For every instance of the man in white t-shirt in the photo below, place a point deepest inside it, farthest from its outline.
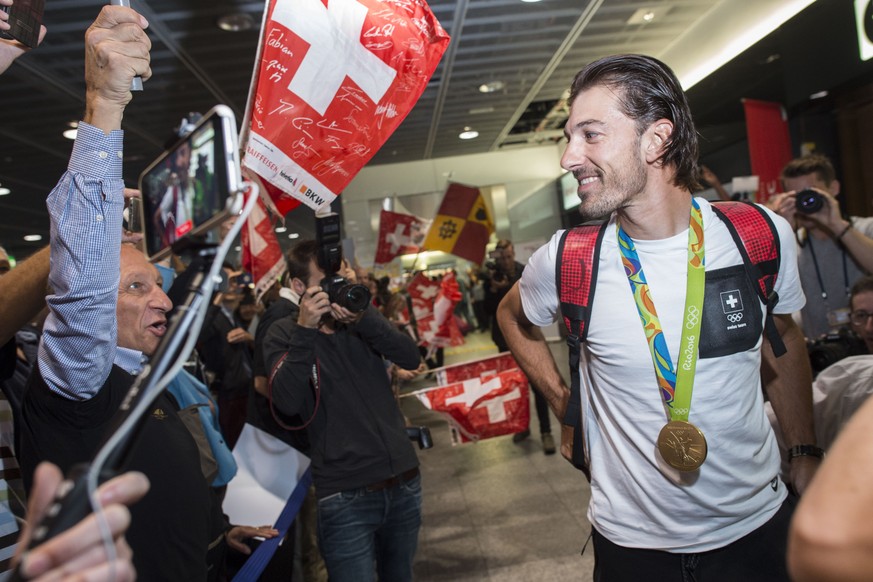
(632, 147)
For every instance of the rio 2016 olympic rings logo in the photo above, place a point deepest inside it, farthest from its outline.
(735, 317)
(692, 317)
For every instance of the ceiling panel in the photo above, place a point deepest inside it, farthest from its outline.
(534, 49)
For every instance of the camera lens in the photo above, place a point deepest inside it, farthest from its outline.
(355, 298)
(809, 201)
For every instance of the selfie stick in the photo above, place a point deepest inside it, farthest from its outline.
(136, 83)
(76, 497)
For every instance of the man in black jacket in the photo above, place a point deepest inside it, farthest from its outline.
(329, 367)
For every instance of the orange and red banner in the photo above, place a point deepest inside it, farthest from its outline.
(463, 224)
(769, 145)
(399, 234)
(335, 78)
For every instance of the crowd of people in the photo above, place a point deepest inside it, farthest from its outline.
(681, 487)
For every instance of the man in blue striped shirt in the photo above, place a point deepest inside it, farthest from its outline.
(107, 315)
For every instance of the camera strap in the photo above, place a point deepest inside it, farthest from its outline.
(315, 386)
(821, 286)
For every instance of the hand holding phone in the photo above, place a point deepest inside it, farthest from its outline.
(25, 21)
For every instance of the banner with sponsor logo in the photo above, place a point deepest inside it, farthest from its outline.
(399, 234)
(463, 224)
(334, 79)
(481, 402)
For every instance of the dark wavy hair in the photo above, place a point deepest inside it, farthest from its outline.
(816, 164)
(648, 91)
(298, 258)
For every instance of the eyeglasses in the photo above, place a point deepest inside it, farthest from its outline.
(860, 317)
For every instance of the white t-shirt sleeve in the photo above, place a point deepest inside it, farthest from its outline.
(539, 295)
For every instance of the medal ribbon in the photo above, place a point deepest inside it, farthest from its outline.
(676, 384)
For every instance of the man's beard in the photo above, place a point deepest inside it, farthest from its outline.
(600, 205)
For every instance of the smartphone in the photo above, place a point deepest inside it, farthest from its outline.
(25, 18)
(193, 186)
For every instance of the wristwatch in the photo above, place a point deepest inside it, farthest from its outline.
(805, 451)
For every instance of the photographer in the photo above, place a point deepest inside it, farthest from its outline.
(501, 277)
(833, 251)
(327, 366)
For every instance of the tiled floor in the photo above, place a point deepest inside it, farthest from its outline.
(498, 510)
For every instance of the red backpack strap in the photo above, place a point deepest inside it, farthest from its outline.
(757, 239)
(579, 251)
(575, 276)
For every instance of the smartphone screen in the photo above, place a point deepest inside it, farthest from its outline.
(25, 18)
(190, 187)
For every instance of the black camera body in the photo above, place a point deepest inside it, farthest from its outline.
(809, 201)
(833, 347)
(352, 296)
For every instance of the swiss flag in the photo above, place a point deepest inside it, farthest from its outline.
(399, 234)
(433, 303)
(333, 80)
(477, 369)
(261, 254)
(481, 408)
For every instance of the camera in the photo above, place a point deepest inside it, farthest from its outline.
(352, 296)
(833, 347)
(420, 435)
(809, 201)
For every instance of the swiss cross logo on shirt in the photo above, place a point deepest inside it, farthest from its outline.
(731, 301)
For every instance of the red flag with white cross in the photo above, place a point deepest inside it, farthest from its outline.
(334, 79)
(483, 407)
(399, 234)
(261, 256)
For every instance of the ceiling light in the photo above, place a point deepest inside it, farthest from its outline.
(480, 110)
(4, 191)
(491, 86)
(468, 133)
(756, 29)
(236, 22)
(294, 235)
(530, 1)
(237, 248)
(648, 14)
(71, 133)
(819, 95)
(281, 229)
(32, 237)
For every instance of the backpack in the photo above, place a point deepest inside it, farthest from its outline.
(576, 274)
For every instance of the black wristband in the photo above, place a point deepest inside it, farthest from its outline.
(845, 230)
(805, 451)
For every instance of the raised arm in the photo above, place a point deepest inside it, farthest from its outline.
(23, 290)
(85, 209)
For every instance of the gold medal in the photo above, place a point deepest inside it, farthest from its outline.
(682, 445)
